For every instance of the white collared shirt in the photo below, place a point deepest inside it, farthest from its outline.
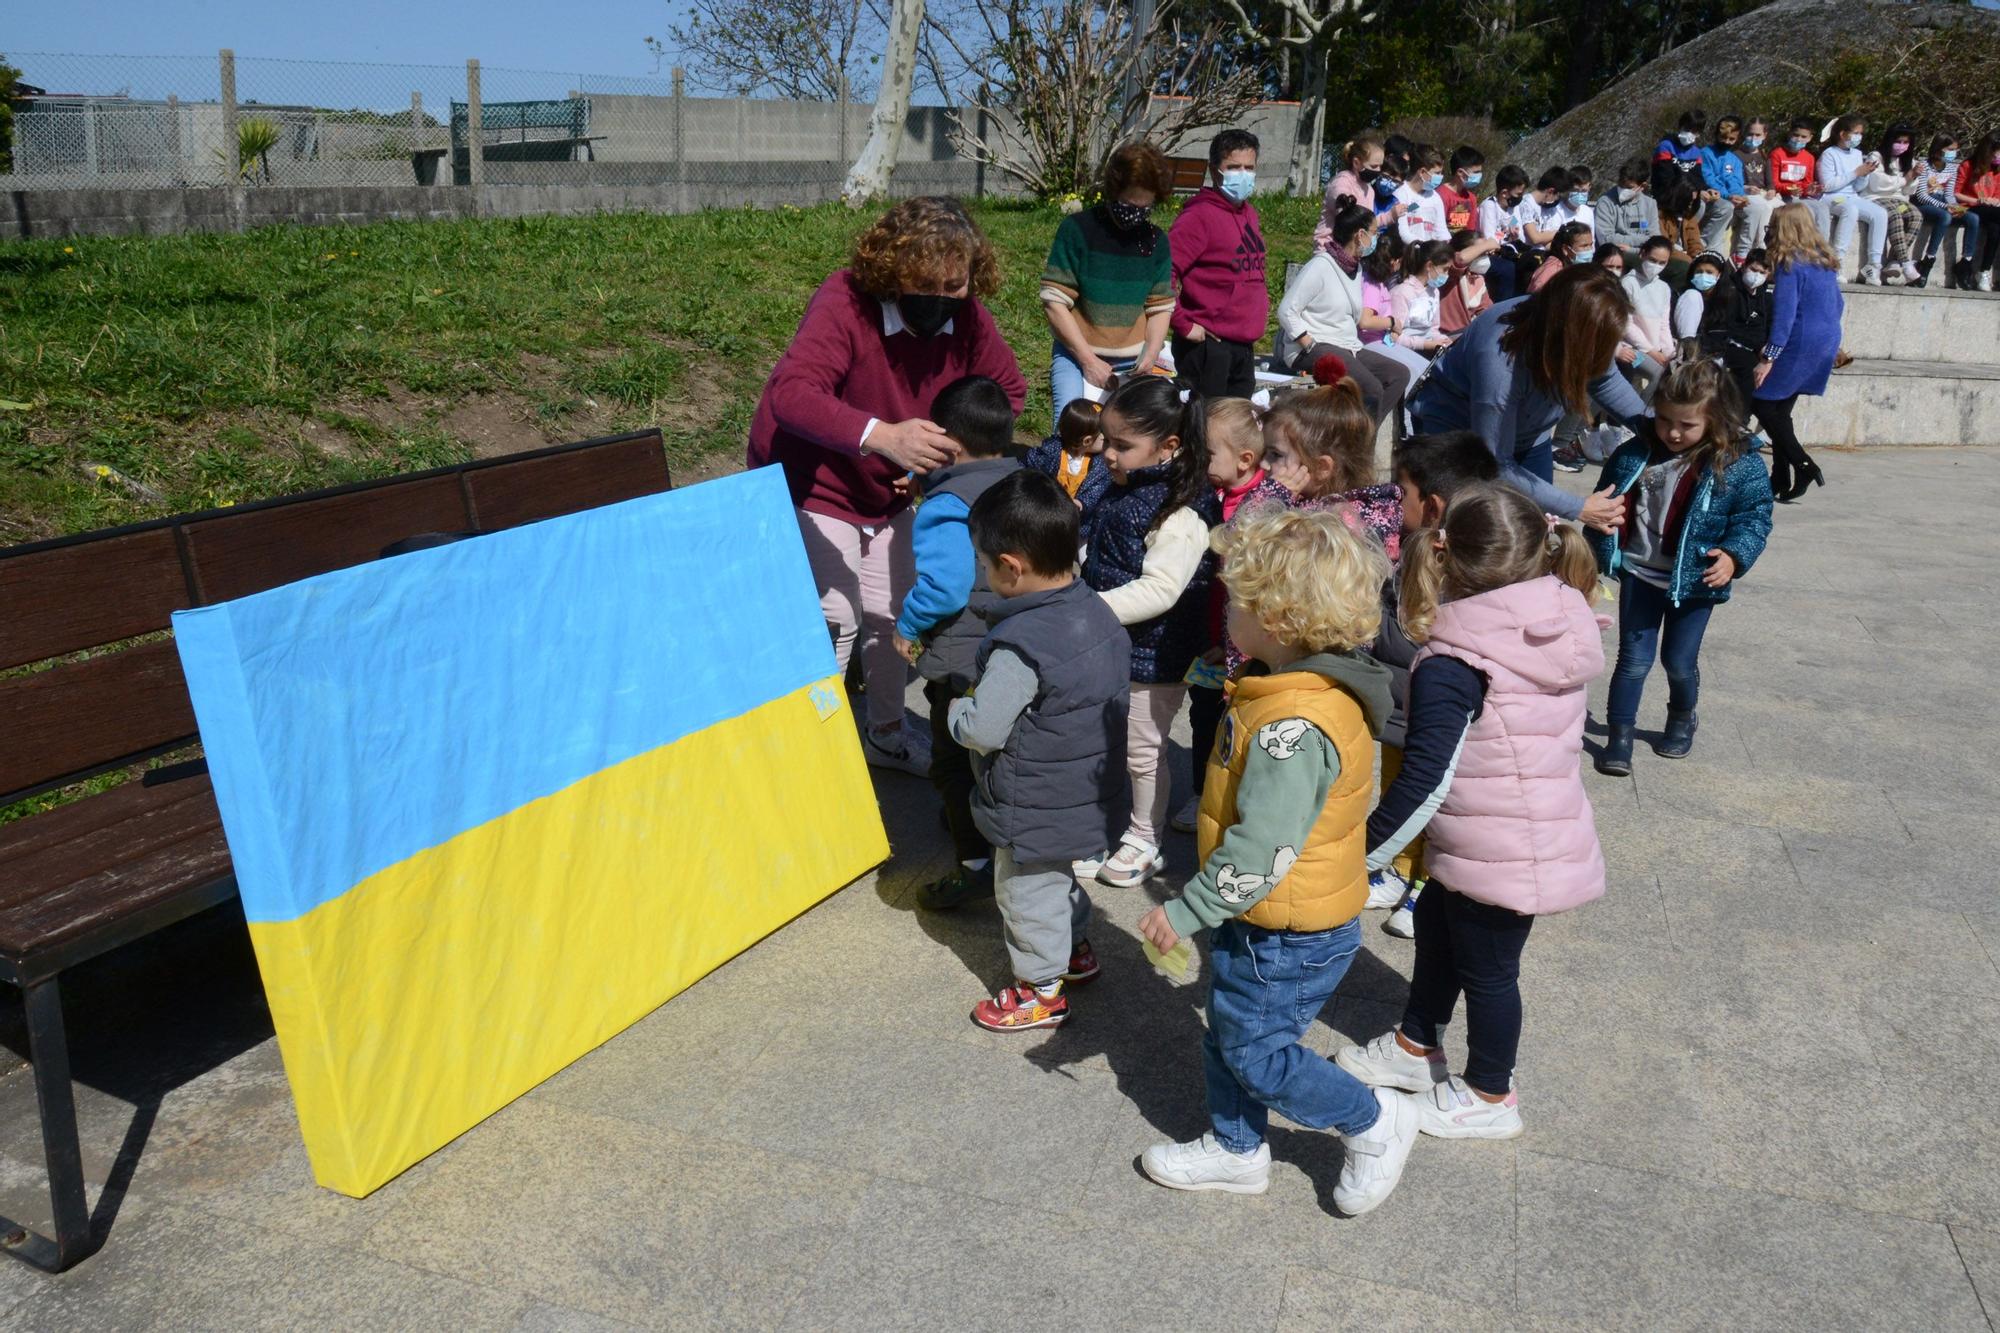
(892, 324)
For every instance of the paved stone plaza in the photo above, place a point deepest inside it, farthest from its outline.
(1761, 1077)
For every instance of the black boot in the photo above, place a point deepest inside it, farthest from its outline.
(1678, 738)
(1615, 759)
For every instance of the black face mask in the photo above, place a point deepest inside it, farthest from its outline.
(1128, 217)
(926, 315)
(1368, 175)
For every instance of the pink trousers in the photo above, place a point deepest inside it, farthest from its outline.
(1146, 728)
(862, 575)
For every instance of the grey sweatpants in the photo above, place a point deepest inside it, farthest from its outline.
(1044, 911)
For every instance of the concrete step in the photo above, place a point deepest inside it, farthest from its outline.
(1908, 402)
(1923, 324)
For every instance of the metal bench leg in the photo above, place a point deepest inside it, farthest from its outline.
(48, 1049)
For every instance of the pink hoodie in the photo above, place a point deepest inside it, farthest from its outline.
(1516, 829)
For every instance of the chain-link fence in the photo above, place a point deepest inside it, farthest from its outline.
(85, 122)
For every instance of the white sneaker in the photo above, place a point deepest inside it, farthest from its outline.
(1386, 888)
(1986, 281)
(1186, 818)
(1375, 1159)
(1132, 865)
(1911, 273)
(902, 749)
(1086, 869)
(1384, 1063)
(1451, 1110)
(1870, 276)
(1207, 1165)
(1402, 923)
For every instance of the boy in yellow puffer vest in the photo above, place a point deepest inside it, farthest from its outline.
(1283, 834)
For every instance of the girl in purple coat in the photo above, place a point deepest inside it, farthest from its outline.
(1806, 307)
(1498, 594)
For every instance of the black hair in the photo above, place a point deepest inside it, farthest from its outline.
(1463, 239)
(1719, 262)
(1847, 124)
(1759, 256)
(1026, 514)
(1077, 422)
(1424, 155)
(1445, 463)
(1153, 406)
(1465, 155)
(1680, 201)
(1420, 255)
(1565, 238)
(1694, 119)
(1511, 177)
(1227, 142)
(1396, 151)
(1800, 124)
(1381, 265)
(974, 411)
(1902, 129)
(1580, 174)
(1940, 142)
(1652, 243)
(1635, 171)
(1348, 218)
(1605, 251)
(1555, 178)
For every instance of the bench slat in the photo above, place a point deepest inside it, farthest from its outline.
(67, 598)
(238, 554)
(84, 715)
(511, 494)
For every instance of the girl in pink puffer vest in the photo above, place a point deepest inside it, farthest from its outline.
(1499, 596)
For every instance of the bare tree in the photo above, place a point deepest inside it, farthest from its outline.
(791, 48)
(868, 178)
(1312, 27)
(1051, 85)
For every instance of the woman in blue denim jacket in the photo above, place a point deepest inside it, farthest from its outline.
(1697, 516)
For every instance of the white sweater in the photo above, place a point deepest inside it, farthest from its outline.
(1173, 553)
(1652, 306)
(1688, 310)
(1322, 302)
(1423, 215)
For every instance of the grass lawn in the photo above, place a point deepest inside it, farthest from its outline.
(143, 376)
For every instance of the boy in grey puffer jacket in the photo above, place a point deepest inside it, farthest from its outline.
(1046, 727)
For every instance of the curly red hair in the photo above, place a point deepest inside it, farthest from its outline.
(924, 244)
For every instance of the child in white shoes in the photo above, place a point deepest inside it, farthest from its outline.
(1283, 876)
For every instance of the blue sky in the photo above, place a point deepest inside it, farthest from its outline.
(600, 37)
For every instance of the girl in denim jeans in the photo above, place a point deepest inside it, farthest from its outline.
(1699, 517)
(1283, 876)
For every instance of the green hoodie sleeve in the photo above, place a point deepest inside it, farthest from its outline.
(1290, 767)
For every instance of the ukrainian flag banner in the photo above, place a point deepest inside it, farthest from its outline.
(491, 803)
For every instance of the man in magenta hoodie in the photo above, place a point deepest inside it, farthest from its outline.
(1218, 267)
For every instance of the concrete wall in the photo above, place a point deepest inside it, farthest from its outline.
(1884, 324)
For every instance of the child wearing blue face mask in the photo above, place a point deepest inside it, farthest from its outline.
(1424, 216)
(1415, 306)
(1934, 190)
(1691, 306)
(1576, 206)
(1461, 192)
(1217, 265)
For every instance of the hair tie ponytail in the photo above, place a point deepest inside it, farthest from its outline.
(1329, 370)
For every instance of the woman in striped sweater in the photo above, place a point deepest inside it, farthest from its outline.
(1108, 288)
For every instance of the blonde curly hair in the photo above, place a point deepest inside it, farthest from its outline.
(1310, 580)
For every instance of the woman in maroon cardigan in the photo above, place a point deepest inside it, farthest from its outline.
(845, 414)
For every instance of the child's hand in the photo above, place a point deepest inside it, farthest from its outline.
(1627, 354)
(1158, 931)
(1721, 569)
(902, 484)
(910, 651)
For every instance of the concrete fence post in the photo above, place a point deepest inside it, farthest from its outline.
(416, 116)
(680, 140)
(475, 147)
(174, 139)
(842, 158)
(231, 163)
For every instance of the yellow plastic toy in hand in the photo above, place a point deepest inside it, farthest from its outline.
(1180, 964)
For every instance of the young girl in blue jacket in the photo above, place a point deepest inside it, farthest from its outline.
(1697, 515)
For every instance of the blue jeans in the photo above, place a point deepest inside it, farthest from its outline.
(1265, 989)
(1066, 378)
(1648, 623)
(1937, 221)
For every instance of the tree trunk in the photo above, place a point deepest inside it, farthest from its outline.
(1586, 39)
(1303, 178)
(868, 179)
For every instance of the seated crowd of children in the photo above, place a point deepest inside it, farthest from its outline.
(1167, 549)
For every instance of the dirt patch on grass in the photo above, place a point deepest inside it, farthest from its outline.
(491, 424)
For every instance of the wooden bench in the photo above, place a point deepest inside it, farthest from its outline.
(90, 684)
(1190, 173)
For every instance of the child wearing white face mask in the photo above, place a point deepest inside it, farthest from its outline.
(1843, 171)
(1627, 215)
(1465, 296)
(1651, 330)
(1423, 207)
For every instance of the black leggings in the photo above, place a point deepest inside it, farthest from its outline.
(1989, 236)
(951, 774)
(1383, 379)
(1472, 948)
(1788, 456)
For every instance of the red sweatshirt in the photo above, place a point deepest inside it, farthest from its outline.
(1792, 173)
(839, 371)
(1218, 268)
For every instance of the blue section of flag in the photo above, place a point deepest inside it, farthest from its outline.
(305, 693)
